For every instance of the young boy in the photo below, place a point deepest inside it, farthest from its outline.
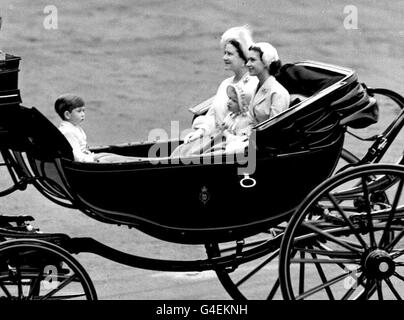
(71, 109)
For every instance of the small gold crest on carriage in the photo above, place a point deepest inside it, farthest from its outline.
(204, 196)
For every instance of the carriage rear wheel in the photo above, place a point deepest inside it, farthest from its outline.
(38, 270)
(343, 242)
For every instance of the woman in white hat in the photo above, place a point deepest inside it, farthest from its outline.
(235, 42)
(270, 97)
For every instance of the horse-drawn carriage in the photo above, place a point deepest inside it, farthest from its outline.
(274, 204)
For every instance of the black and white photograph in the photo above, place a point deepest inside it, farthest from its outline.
(201, 151)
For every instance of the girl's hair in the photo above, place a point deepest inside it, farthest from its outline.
(274, 66)
(67, 102)
(240, 52)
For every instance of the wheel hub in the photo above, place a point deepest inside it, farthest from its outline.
(379, 265)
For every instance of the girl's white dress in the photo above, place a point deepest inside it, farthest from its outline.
(231, 136)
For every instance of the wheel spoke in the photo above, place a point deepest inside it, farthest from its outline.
(325, 261)
(379, 289)
(19, 283)
(258, 268)
(67, 296)
(399, 276)
(5, 290)
(301, 273)
(397, 253)
(368, 213)
(35, 286)
(330, 253)
(322, 286)
(348, 221)
(369, 289)
(60, 287)
(392, 213)
(274, 290)
(331, 238)
(355, 246)
(323, 277)
(396, 294)
(394, 241)
(341, 265)
(353, 288)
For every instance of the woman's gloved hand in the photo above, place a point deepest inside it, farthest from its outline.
(194, 135)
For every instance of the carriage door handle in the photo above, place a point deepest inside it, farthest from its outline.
(247, 181)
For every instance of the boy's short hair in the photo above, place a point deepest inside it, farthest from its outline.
(67, 102)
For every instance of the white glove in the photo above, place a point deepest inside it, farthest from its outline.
(193, 135)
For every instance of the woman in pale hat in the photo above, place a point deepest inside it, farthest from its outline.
(235, 42)
(270, 97)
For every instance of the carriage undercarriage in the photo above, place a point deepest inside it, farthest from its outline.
(341, 238)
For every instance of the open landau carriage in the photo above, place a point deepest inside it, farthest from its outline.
(277, 221)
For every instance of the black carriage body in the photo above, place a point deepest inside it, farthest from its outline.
(9, 68)
(202, 201)
(193, 203)
(9, 93)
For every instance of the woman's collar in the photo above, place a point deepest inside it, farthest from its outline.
(267, 85)
(68, 123)
(244, 78)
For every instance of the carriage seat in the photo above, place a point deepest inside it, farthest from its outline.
(303, 81)
(35, 133)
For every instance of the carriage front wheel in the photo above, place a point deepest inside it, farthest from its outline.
(345, 241)
(38, 270)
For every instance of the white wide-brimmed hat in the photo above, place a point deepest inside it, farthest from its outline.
(269, 53)
(242, 35)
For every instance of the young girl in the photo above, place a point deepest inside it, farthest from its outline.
(238, 123)
(231, 135)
